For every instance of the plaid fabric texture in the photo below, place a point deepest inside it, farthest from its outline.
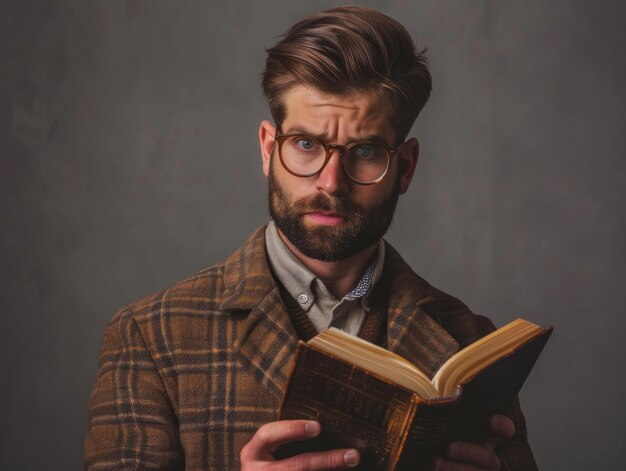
(189, 374)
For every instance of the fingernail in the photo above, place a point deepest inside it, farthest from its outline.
(496, 421)
(453, 450)
(351, 458)
(312, 428)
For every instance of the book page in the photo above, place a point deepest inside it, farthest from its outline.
(464, 365)
(373, 358)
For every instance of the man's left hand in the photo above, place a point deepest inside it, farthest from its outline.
(462, 456)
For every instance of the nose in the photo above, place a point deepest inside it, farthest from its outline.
(332, 179)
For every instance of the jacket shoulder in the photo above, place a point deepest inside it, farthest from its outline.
(458, 319)
(448, 311)
(202, 292)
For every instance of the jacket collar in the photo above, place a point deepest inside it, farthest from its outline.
(411, 332)
(247, 276)
(267, 340)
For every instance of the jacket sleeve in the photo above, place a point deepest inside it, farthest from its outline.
(466, 327)
(132, 424)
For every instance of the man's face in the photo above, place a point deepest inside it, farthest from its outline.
(327, 216)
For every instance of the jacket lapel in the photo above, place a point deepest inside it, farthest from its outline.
(267, 343)
(266, 340)
(411, 332)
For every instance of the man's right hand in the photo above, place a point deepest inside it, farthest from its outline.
(258, 452)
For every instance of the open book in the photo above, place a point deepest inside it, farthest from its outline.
(371, 399)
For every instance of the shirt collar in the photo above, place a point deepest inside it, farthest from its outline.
(298, 280)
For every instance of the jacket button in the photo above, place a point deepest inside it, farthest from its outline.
(303, 298)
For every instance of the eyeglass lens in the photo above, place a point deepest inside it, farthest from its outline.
(305, 156)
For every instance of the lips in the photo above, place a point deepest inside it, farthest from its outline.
(334, 214)
(329, 218)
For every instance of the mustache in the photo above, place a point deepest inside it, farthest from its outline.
(321, 203)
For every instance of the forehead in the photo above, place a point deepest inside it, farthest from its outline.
(349, 116)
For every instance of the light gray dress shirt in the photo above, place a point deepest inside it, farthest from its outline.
(322, 308)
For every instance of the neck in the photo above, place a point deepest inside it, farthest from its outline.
(339, 277)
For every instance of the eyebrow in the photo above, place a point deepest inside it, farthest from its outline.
(369, 138)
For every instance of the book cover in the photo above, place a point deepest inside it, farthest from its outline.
(392, 427)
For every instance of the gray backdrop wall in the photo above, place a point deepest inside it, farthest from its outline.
(129, 160)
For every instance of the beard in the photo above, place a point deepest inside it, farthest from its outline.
(362, 228)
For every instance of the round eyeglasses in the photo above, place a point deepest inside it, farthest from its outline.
(365, 163)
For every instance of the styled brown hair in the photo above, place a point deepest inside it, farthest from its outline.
(345, 50)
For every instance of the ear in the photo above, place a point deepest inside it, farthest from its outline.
(407, 160)
(267, 140)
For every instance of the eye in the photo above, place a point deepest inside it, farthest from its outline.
(365, 152)
(305, 144)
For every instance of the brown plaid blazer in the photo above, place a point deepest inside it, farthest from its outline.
(189, 374)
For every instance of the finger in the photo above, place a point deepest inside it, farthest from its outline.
(335, 459)
(470, 453)
(270, 436)
(503, 429)
(502, 425)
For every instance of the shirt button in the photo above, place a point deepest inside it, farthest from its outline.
(303, 298)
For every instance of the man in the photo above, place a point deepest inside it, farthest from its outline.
(191, 377)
